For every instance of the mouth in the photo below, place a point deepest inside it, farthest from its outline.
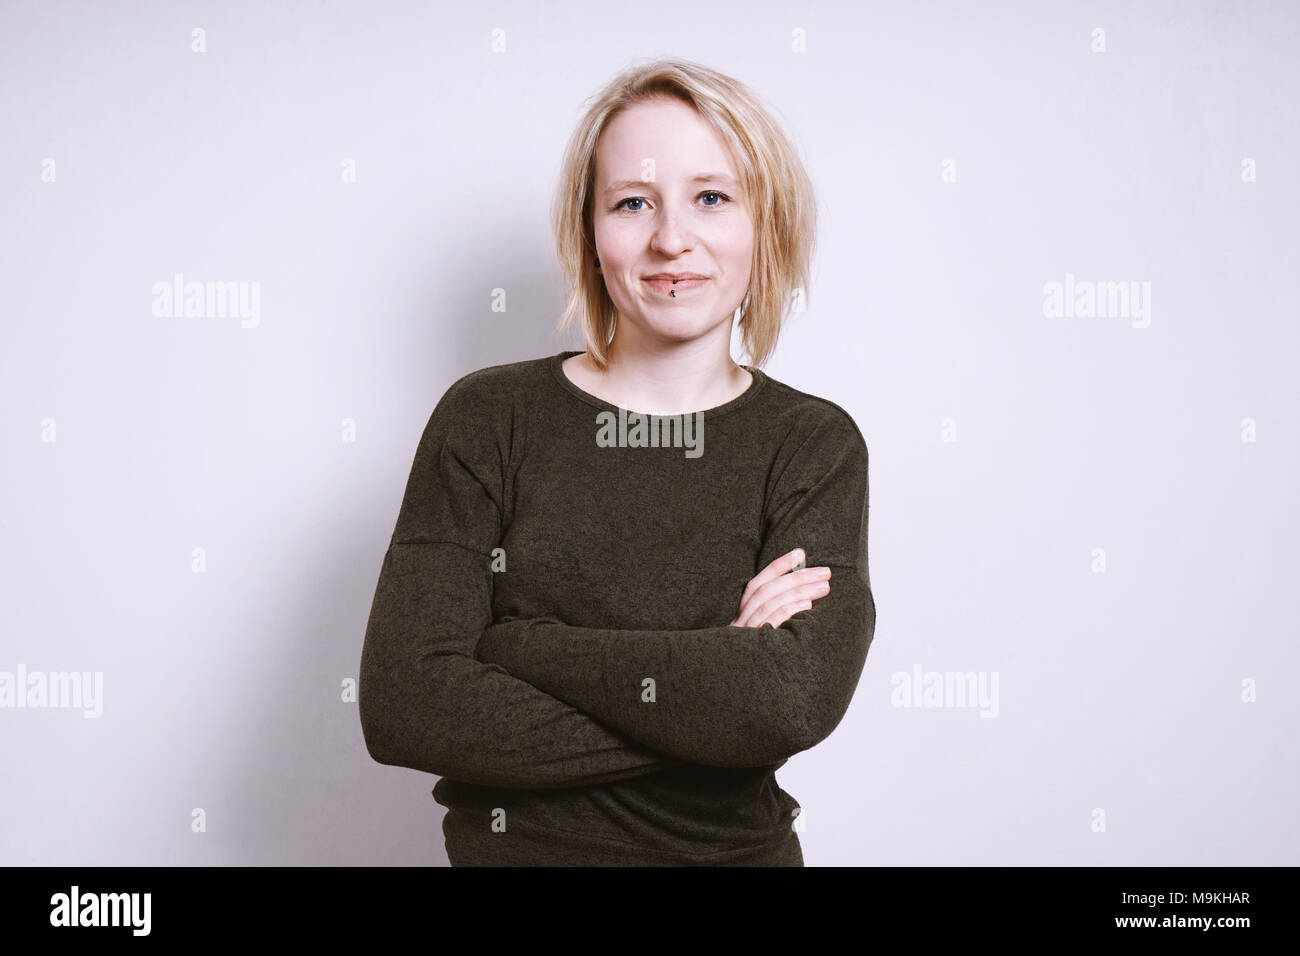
(666, 284)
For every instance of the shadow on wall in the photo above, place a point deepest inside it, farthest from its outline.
(308, 792)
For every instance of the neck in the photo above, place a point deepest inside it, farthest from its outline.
(673, 379)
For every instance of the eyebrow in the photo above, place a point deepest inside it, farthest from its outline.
(702, 178)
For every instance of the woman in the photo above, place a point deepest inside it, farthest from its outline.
(596, 626)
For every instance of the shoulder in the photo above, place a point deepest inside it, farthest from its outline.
(490, 387)
(480, 410)
(811, 417)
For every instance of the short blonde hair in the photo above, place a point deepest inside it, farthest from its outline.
(777, 188)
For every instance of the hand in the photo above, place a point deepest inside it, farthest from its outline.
(781, 590)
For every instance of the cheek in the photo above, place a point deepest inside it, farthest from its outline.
(617, 250)
(738, 249)
(739, 263)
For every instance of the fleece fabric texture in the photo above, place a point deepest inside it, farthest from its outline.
(550, 633)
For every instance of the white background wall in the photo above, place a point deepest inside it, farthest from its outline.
(1006, 444)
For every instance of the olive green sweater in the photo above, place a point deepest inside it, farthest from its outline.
(550, 633)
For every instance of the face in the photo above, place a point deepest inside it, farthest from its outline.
(691, 217)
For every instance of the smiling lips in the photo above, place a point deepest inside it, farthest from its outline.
(676, 282)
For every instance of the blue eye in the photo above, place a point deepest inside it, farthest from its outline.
(722, 197)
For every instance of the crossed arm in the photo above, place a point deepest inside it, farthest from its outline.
(730, 696)
(537, 703)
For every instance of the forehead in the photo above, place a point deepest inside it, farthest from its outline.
(664, 136)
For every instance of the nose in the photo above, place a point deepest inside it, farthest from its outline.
(671, 235)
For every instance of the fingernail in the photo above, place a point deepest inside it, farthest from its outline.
(801, 560)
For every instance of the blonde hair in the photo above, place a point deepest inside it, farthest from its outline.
(777, 187)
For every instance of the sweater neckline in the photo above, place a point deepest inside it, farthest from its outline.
(556, 365)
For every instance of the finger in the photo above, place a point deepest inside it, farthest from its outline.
(808, 592)
(785, 612)
(787, 562)
(808, 584)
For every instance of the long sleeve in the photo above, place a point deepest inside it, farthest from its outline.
(425, 701)
(732, 696)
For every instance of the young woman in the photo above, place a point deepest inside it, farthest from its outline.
(627, 584)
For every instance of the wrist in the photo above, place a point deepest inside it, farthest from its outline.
(494, 643)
